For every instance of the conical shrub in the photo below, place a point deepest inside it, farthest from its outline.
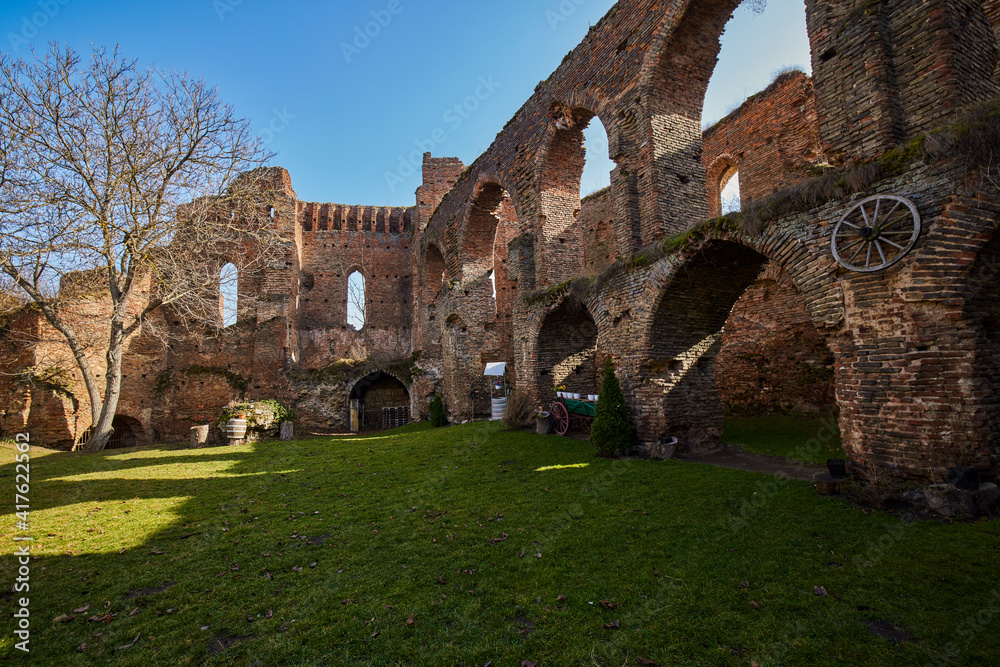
(611, 432)
(438, 417)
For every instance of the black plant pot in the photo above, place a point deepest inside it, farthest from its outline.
(837, 468)
(964, 478)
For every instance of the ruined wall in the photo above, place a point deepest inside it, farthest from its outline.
(885, 71)
(335, 241)
(597, 218)
(772, 139)
(772, 358)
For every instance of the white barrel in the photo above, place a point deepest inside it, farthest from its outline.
(498, 405)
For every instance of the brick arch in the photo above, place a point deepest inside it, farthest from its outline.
(559, 169)
(716, 176)
(382, 382)
(690, 296)
(566, 350)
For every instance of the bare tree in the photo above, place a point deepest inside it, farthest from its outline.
(132, 183)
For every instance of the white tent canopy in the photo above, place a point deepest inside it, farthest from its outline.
(495, 368)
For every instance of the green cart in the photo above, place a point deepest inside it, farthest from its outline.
(564, 410)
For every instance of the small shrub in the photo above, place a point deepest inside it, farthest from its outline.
(611, 433)
(518, 414)
(438, 417)
(873, 486)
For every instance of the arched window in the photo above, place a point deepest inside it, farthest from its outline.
(730, 193)
(228, 294)
(356, 300)
(598, 166)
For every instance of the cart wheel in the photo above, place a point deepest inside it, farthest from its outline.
(560, 418)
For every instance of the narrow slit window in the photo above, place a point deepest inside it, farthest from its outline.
(730, 194)
(228, 294)
(356, 300)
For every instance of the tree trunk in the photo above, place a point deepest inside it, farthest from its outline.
(102, 429)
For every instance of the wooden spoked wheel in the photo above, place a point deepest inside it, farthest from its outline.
(875, 233)
(560, 418)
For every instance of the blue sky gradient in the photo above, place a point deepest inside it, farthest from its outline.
(344, 112)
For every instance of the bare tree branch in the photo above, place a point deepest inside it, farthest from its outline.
(137, 181)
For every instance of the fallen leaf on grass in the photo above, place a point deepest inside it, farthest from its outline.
(528, 663)
(613, 625)
(130, 645)
(81, 609)
(269, 614)
(538, 554)
(497, 540)
(82, 647)
(608, 605)
(441, 580)
(644, 661)
(410, 621)
(561, 598)
(375, 634)
(63, 618)
(156, 552)
(754, 604)
(819, 590)
(745, 584)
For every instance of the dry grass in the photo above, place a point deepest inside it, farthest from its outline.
(518, 414)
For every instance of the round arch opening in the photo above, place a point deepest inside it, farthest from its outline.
(381, 401)
(567, 351)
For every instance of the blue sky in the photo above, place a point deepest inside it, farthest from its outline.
(344, 112)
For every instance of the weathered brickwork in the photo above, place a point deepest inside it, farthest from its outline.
(772, 358)
(772, 139)
(697, 321)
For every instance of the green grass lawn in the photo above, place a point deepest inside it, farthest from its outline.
(804, 438)
(469, 544)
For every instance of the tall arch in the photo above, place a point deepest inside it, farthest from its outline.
(567, 350)
(560, 236)
(680, 67)
(686, 335)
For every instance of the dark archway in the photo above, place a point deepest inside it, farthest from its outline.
(567, 350)
(686, 336)
(983, 310)
(384, 401)
(127, 432)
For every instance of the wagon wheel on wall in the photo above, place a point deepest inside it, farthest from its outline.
(560, 418)
(875, 233)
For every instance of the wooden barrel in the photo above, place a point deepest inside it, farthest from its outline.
(236, 428)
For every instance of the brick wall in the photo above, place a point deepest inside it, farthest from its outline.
(772, 139)
(772, 358)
